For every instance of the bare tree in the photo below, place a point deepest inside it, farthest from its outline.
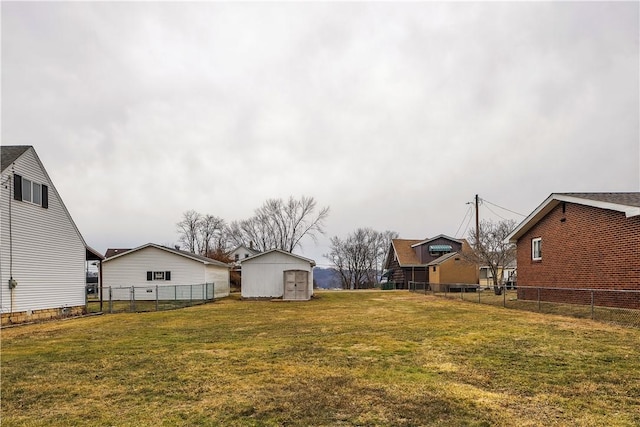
(210, 234)
(490, 248)
(357, 258)
(280, 224)
(188, 230)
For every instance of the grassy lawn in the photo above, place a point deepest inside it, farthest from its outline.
(345, 358)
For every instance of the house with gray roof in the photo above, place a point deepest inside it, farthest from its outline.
(155, 268)
(43, 256)
(581, 241)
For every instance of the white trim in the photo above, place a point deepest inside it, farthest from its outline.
(194, 257)
(312, 262)
(443, 236)
(554, 200)
(533, 249)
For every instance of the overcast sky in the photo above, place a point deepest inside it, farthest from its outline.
(393, 114)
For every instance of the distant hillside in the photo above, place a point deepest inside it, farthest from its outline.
(326, 278)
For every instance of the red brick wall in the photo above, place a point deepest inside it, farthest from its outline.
(584, 247)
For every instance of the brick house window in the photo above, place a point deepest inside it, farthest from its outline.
(536, 249)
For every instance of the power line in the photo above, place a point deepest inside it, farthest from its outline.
(467, 226)
(496, 214)
(465, 217)
(508, 210)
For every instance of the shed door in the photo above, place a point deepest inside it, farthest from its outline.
(296, 283)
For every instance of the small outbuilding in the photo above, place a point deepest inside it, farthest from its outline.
(277, 274)
(156, 265)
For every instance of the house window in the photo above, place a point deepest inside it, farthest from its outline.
(158, 275)
(237, 256)
(536, 249)
(28, 191)
(439, 250)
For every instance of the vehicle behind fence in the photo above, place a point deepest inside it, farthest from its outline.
(608, 305)
(116, 299)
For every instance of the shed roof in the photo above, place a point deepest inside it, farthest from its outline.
(185, 254)
(628, 203)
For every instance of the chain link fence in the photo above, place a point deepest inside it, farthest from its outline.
(119, 299)
(607, 305)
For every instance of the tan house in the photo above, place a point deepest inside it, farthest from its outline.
(436, 260)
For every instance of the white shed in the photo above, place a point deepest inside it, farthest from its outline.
(277, 274)
(150, 266)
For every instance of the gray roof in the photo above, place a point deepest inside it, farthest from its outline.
(175, 251)
(627, 199)
(9, 154)
(628, 203)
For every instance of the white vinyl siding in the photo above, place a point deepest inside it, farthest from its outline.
(130, 269)
(263, 275)
(48, 252)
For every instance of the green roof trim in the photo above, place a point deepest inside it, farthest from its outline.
(440, 248)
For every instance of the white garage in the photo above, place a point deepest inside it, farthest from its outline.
(277, 274)
(160, 269)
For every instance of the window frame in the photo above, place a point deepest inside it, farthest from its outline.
(163, 276)
(536, 249)
(24, 190)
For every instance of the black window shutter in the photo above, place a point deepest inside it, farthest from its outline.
(167, 275)
(149, 275)
(17, 187)
(45, 196)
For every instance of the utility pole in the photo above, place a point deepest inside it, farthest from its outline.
(477, 222)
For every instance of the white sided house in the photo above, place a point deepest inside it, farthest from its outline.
(42, 254)
(277, 274)
(159, 272)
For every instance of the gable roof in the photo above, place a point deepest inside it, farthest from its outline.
(405, 254)
(195, 257)
(251, 250)
(312, 262)
(440, 236)
(10, 153)
(443, 258)
(628, 203)
(111, 252)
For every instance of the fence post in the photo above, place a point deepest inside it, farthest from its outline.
(479, 293)
(110, 301)
(156, 297)
(191, 295)
(204, 289)
(504, 296)
(133, 299)
(592, 305)
(462, 292)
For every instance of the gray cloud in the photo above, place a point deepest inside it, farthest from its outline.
(395, 115)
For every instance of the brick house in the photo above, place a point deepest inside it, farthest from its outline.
(434, 260)
(581, 241)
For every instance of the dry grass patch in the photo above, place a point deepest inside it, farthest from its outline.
(344, 358)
